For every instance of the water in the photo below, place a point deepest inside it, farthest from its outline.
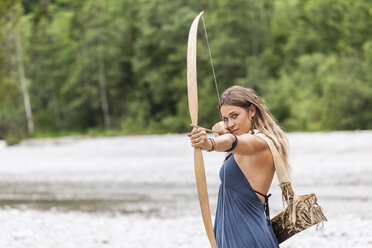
(139, 191)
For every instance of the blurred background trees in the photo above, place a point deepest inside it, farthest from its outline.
(121, 64)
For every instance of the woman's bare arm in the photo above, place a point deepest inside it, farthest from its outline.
(248, 144)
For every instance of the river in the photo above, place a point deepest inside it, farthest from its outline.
(139, 191)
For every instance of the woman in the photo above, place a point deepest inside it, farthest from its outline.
(242, 217)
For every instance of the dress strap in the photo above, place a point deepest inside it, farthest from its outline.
(266, 206)
(227, 157)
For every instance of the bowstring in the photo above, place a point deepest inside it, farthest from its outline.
(218, 95)
(211, 60)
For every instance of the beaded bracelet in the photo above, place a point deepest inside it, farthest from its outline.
(213, 145)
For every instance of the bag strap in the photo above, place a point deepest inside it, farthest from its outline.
(281, 171)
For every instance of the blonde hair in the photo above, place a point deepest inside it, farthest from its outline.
(262, 120)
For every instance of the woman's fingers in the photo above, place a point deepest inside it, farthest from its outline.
(220, 127)
(193, 131)
(198, 136)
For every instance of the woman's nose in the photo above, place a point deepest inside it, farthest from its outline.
(230, 124)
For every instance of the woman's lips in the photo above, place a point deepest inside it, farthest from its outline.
(234, 131)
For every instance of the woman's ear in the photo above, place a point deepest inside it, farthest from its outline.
(252, 111)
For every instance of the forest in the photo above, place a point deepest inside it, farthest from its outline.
(118, 67)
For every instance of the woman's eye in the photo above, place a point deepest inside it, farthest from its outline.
(225, 119)
(235, 115)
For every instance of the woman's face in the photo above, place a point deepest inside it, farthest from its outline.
(236, 119)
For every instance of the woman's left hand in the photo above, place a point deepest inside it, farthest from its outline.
(198, 138)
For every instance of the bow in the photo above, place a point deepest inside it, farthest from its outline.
(192, 91)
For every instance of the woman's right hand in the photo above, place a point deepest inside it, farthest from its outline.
(220, 127)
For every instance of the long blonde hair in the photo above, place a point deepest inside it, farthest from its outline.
(262, 120)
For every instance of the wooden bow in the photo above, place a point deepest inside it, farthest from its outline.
(192, 91)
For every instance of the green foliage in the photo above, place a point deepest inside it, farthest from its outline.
(309, 59)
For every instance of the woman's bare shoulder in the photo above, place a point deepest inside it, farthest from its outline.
(249, 144)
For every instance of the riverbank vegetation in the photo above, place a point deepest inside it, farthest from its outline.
(119, 67)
